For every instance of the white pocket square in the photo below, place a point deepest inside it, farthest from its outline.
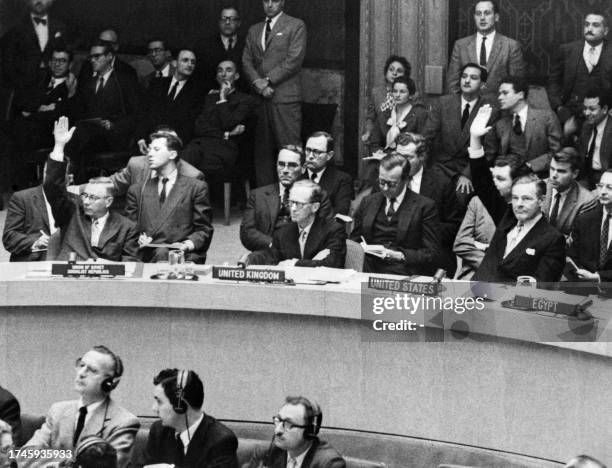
(530, 251)
(279, 34)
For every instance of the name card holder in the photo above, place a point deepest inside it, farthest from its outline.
(87, 270)
(404, 286)
(254, 275)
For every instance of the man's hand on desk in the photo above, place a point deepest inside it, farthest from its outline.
(42, 242)
(288, 263)
(323, 254)
(393, 255)
(586, 274)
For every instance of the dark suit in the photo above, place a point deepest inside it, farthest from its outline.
(541, 254)
(212, 445)
(323, 234)
(338, 186)
(119, 65)
(577, 200)
(118, 239)
(185, 215)
(212, 53)
(320, 455)
(506, 58)
(25, 218)
(417, 234)
(605, 152)
(11, 413)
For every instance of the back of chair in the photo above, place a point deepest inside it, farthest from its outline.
(354, 256)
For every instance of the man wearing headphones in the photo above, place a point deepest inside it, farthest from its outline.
(295, 443)
(185, 436)
(68, 422)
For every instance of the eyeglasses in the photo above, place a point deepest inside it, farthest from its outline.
(388, 183)
(229, 19)
(96, 56)
(297, 204)
(156, 50)
(602, 186)
(315, 152)
(287, 425)
(58, 60)
(290, 165)
(90, 197)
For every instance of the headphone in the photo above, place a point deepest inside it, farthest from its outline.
(313, 425)
(182, 380)
(89, 441)
(110, 383)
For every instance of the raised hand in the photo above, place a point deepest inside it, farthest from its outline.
(62, 133)
(479, 126)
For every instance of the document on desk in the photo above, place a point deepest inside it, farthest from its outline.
(378, 250)
(318, 275)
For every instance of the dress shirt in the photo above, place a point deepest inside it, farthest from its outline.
(171, 181)
(52, 227)
(55, 82)
(488, 44)
(90, 409)
(187, 434)
(263, 33)
(104, 79)
(513, 238)
(299, 459)
(398, 200)
(97, 225)
(415, 181)
(179, 86)
(165, 72)
(596, 163)
(523, 116)
(226, 40)
(42, 31)
(603, 219)
(317, 179)
(591, 60)
(561, 201)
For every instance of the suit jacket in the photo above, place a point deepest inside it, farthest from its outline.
(585, 242)
(118, 240)
(31, 99)
(605, 150)
(110, 421)
(11, 413)
(415, 123)
(578, 200)
(212, 445)
(323, 234)
(542, 135)
(138, 171)
(146, 80)
(562, 80)
(119, 65)
(22, 57)
(320, 455)
(506, 58)
(281, 61)
(211, 53)
(185, 215)
(25, 218)
(478, 226)
(417, 235)
(338, 186)
(259, 217)
(541, 254)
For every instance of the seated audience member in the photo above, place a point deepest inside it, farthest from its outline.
(308, 240)
(404, 222)
(433, 182)
(87, 226)
(338, 185)
(565, 198)
(533, 134)
(590, 237)
(448, 124)
(174, 101)
(595, 141)
(110, 38)
(296, 442)
(68, 423)
(268, 207)
(473, 238)
(11, 413)
(185, 435)
(531, 247)
(584, 461)
(161, 58)
(214, 149)
(170, 208)
(6, 445)
(95, 452)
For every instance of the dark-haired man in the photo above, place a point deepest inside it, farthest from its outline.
(161, 58)
(110, 38)
(185, 435)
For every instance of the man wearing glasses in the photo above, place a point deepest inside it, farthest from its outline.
(87, 227)
(161, 59)
(405, 223)
(98, 372)
(296, 443)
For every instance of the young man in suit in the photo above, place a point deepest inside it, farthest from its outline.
(161, 58)
(98, 373)
(185, 435)
(170, 208)
(110, 38)
(338, 185)
(499, 54)
(308, 240)
(272, 60)
(296, 443)
(404, 222)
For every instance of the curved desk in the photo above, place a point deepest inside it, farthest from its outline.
(253, 344)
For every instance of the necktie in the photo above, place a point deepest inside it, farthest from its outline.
(292, 463)
(465, 116)
(313, 177)
(99, 84)
(180, 450)
(591, 152)
(51, 84)
(95, 232)
(80, 424)
(517, 233)
(302, 240)
(158, 74)
(162, 194)
(172, 93)
(592, 61)
(230, 44)
(483, 52)
(268, 31)
(39, 20)
(518, 130)
(284, 209)
(603, 241)
(391, 209)
(555, 210)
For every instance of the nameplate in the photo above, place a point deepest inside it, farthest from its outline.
(248, 274)
(87, 270)
(404, 286)
(570, 307)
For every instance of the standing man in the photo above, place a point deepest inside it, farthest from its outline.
(272, 60)
(499, 54)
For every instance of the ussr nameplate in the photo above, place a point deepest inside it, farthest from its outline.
(248, 274)
(87, 270)
(403, 285)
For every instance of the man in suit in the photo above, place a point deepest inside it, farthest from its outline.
(27, 47)
(161, 58)
(308, 240)
(433, 182)
(110, 38)
(296, 443)
(579, 66)
(404, 222)
(338, 185)
(87, 226)
(272, 60)
(174, 101)
(590, 238)
(98, 373)
(499, 54)
(171, 208)
(214, 149)
(185, 435)
(595, 141)
(565, 198)
(531, 247)
(11, 413)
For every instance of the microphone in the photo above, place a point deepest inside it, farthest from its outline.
(243, 261)
(439, 276)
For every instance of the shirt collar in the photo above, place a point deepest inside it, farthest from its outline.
(400, 198)
(523, 114)
(300, 458)
(527, 225)
(106, 74)
(92, 406)
(171, 177)
(489, 37)
(43, 17)
(102, 219)
(307, 228)
(588, 46)
(471, 103)
(187, 434)
(58, 81)
(274, 19)
(319, 174)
